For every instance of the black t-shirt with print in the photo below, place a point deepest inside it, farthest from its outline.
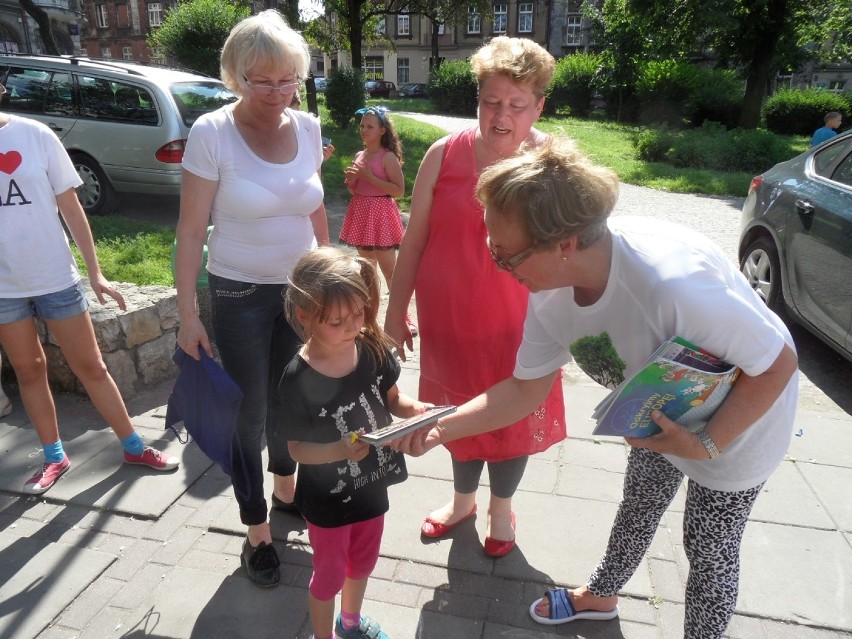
(320, 409)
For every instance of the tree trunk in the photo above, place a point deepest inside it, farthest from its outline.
(43, 22)
(760, 65)
(436, 60)
(355, 31)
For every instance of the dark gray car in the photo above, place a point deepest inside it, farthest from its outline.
(796, 240)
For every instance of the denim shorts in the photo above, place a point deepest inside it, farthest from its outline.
(69, 302)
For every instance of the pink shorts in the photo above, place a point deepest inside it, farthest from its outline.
(344, 552)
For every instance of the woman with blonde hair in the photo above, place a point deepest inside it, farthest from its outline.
(252, 167)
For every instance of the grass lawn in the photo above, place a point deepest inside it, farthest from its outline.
(134, 251)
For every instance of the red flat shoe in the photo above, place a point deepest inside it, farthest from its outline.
(497, 547)
(435, 529)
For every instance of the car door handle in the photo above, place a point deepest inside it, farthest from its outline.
(804, 207)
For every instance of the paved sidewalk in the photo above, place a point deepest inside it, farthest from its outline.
(119, 551)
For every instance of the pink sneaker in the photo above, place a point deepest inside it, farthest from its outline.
(43, 480)
(152, 458)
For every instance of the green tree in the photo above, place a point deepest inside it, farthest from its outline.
(598, 358)
(193, 32)
(759, 37)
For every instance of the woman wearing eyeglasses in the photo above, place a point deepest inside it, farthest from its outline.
(253, 169)
(470, 313)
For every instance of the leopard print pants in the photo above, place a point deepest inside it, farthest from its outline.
(713, 527)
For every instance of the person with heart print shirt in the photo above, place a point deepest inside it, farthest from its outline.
(39, 277)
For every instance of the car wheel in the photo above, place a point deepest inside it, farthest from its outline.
(96, 193)
(762, 269)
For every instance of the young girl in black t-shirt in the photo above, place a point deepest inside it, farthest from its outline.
(341, 383)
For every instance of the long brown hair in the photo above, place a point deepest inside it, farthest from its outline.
(326, 277)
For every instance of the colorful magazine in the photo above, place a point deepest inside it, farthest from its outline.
(395, 430)
(686, 383)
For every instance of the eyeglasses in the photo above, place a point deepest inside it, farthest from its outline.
(268, 89)
(509, 264)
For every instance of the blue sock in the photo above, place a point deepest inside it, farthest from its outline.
(54, 453)
(133, 444)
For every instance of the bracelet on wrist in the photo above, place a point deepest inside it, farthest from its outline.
(708, 443)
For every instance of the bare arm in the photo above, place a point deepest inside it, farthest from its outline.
(749, 399)
(311, 453)
(401, 405)
(412, 246)
(75, 218)
(196, 203)
(504, 403)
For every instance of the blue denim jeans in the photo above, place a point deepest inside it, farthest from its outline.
(255, 343)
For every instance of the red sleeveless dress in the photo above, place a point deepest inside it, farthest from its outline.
(471, 315)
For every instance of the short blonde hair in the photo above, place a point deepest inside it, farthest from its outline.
(526, 62)
(554, 191)
(260, 40)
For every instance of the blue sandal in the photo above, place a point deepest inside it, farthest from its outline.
(562, 610)
(367, 629)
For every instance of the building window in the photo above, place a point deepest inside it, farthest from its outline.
(441, 29)
(157, 54)
(402, 71)
(474, 21)
(836, 85)
(155, 14)
(122, 18)
(374, 67)
(106, 53)
(525, 17)
(501, 12)
(403, 25)
(101, 15)
(571, 37)
(127, 53)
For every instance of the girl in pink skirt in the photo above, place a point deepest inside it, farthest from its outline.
(373, 224)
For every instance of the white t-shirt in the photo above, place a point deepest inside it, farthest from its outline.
(35, 258)
(260, 216)
(666, 280)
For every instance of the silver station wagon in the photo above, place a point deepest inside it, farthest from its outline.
(123, 124)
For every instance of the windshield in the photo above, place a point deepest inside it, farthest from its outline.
(194, 99)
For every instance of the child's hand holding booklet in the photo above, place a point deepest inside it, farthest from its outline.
(396, 430)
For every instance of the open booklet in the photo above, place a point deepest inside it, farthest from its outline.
(684, 382)
(398, 429)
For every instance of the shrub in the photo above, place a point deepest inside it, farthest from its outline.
(452, 88)
(718, 98)
(195, 31)
(571, 89)
(713, 147)
(801, 111)
(622, 103)
(664, 88)
(344, 94)
(653, 145)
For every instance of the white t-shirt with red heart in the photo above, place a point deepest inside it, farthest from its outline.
(35, 258)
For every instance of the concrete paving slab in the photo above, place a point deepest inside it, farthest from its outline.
(196, 603)
(790, 484)
(832, 486)
(825, 438)
(105, 481)
(798, 574)
(38, 580)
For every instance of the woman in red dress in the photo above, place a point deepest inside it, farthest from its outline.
(470, 311)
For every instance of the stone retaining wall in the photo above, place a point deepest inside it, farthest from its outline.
(137, 344)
